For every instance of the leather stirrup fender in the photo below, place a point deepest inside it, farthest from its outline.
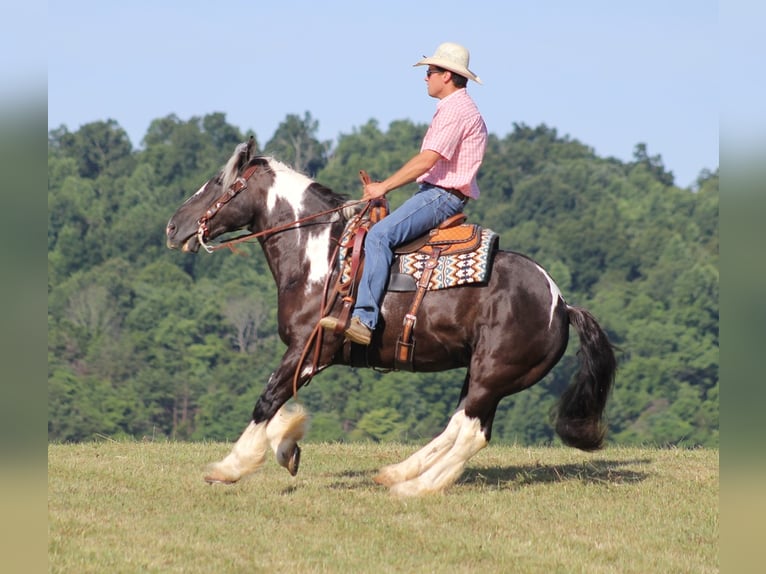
(405, 346)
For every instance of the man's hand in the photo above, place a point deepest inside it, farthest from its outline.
(374, 190)
(409, 172)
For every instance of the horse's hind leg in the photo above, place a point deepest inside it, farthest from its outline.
(423, 459)
(445, 469)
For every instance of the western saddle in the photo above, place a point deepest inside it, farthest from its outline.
(452, 237)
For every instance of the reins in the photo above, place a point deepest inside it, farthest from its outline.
(249, 236)
(315, 339)
(235, 188)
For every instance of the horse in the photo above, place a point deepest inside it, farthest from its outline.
(508, 332)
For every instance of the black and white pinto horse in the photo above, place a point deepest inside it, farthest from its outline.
(509, 332)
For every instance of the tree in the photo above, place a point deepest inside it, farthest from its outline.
(183, 152)
(652, 163)
(143, 341)
(98, 147)
(246, 314)
(295, 143)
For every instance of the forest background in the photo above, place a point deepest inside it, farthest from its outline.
(148, 342)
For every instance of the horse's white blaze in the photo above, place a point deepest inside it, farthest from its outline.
(196, 193)
(317, 256)
(555, 294)
(449, 466)
(288, 185)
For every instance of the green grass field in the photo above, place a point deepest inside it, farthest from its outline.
(143, 507)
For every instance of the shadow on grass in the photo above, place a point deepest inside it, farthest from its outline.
(353, 479)
(599, 472)
(512, 477)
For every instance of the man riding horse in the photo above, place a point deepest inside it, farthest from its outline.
(506, 331)
(445, 168)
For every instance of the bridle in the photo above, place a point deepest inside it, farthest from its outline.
(236, 188)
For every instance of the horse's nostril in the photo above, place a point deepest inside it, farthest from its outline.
(170, 229)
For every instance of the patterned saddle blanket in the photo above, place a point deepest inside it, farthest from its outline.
(466, 257)
(452, 269)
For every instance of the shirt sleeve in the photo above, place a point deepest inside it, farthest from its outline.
(443, 135)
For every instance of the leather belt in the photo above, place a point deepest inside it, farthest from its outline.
(459, 194)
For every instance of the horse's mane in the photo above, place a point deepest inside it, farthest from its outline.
(241, 158)
(230, 171)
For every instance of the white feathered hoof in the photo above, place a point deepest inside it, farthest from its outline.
(216, 475)
(388, 476)
(412, 488)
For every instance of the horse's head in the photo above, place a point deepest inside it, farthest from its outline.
(263, 196)
(202, 216)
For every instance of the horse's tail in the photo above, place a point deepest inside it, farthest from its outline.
(579, 417)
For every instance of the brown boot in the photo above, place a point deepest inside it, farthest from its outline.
(358, 332)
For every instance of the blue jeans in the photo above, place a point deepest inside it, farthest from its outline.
(420, 213)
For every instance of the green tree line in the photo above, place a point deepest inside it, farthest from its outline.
(148, 342)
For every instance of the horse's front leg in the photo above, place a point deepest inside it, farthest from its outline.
(273, 425)
(245, 457)
(284, 431)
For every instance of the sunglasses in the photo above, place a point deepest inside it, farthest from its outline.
(429, 72)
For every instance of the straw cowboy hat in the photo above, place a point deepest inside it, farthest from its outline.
(452, 57)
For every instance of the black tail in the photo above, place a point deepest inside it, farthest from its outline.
(579, 420)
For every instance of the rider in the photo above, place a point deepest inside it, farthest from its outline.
(445, 169)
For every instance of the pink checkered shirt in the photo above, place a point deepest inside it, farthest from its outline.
(457, 133)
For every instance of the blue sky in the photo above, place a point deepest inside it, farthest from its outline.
(610, 74)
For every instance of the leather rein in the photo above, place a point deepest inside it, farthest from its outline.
(237, 187)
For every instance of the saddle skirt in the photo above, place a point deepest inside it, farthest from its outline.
(466, 252)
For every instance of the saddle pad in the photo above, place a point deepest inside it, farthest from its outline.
(453, 270)
(347, 245)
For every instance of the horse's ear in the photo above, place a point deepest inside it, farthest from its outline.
(250, 147)
(241, 151)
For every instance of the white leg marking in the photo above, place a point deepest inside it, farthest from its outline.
(284, 431)
(245, 457)
(448, 468)
(555, 294)
(423, 459)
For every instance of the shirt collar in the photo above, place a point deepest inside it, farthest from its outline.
(452, 96)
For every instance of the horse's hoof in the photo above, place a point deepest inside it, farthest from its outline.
(211, 480)
(410, 489)
(215, 476)
(294, 461)
(387, 477)
(382, 480)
